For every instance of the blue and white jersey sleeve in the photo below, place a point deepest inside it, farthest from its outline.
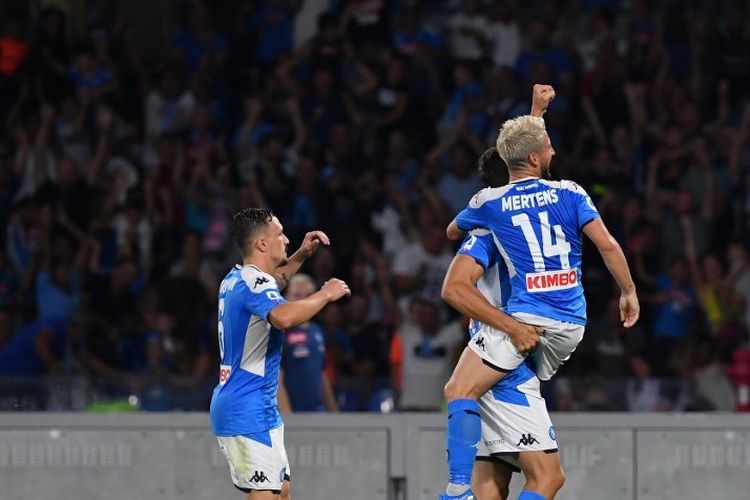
(585, 209)
(263, 292)
(476, 213)
(479, 245)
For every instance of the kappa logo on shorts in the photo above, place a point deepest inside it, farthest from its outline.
(527, 440)
(260, 281)
(479, 341)
(259, 477)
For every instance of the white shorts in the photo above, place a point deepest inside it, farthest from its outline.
(254, 465)
(512, 428)
(557, 343)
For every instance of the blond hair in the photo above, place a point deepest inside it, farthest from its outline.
(518, 138)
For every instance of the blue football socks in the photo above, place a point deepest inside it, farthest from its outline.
(530, 495)
(464, 432)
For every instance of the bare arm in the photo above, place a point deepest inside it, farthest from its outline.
(692, 257)
(43, 346)
(618, 266)
(541, 96)
(40, 146)
(459, 291)
(285, 404)
(329, 400)
(311, 242)
(297, 312)
(299, 129)
(453, 232)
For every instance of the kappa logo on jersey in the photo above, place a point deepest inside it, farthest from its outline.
(527, 440)
(479, 341)
(260, 281)
(259, 477)
(549, 281)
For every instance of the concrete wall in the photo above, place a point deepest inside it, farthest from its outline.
(171, 456)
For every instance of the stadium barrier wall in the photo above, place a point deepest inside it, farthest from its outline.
(171, 456)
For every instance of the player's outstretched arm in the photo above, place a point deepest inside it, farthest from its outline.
(460, 291)
(618, 266)
(296, 312)
(312, 241)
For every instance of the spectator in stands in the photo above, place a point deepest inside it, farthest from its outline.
(423, 356)
(304, 359)
(118, 143)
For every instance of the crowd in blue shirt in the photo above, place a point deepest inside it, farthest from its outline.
(129, 136)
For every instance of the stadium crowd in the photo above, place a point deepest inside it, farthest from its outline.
(130, 132)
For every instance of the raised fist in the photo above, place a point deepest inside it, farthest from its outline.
(334, 289)
(543, 95)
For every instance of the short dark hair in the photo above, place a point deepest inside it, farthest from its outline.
(246, 223)
(491, 169)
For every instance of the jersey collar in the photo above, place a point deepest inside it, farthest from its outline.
(525, 179)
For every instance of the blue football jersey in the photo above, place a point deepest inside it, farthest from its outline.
(496, 288)
(537, 225)
(494, 283)
(244, 401)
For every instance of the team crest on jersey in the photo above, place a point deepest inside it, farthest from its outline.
(552, 434)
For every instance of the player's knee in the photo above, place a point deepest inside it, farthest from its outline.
(457, 389)
(454, 390)
(547, 478)
(551, 481)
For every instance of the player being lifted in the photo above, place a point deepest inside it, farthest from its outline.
(536, 226)
(244, 413)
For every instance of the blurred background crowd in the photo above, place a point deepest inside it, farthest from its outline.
(131, 131)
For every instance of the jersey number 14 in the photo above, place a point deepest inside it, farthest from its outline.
(561, 246)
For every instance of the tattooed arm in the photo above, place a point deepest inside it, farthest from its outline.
(311, 242)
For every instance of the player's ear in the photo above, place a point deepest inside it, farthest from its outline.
(533, 159)
(260, 244)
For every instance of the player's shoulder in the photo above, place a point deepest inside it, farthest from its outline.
(566, 185)
(256, 280)
(488, 195)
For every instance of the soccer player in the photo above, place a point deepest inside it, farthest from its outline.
(514, 406)
(545, 292)
(244, 413)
